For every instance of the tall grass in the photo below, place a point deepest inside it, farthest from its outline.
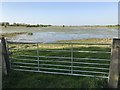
(19, 79)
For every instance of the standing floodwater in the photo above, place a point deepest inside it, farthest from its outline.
(51, 34)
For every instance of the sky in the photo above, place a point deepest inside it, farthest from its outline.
(60, 13)
(60, 0)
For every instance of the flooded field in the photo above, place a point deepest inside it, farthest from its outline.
(52, 34)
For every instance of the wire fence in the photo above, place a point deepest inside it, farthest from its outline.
(78, 59)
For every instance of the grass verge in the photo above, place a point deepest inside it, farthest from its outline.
(37, 80)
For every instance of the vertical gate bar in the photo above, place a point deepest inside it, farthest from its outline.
(18, 49)
(71, 58)
(38, 56)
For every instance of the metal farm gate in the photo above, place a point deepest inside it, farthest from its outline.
(78, 59)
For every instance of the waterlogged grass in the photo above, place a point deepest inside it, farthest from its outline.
(11, 34)
(19, 79)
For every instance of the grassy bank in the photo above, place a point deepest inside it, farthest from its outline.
(11, 34)
(19, 79)
(91, 40)
(60, 46)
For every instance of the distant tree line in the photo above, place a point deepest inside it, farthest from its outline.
(38, 25)
(5, 24)
(101, 25)
(113, 25)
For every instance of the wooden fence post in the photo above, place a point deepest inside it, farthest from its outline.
(114, 69)
(5, 57)
(0, 66)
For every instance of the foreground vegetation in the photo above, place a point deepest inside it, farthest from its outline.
(19, 79)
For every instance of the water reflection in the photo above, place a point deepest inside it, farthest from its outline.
(55, 36)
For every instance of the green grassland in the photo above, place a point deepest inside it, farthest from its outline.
(18, 79)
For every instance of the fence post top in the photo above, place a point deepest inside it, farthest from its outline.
(116, 38)
(2, 38)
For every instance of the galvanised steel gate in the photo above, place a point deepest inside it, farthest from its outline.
(78, 59)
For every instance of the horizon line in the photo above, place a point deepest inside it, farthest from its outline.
(57, 24)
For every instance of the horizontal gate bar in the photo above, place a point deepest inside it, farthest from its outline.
(24, 63)
(74, 70)
(83, 43)
(56, 65)
(22, 59)
(89, 71)
(65, 51)
(64, 65)
(62, 73)
(59, 65)
(60, 69)
(48, 60)
(14, 42)
(90, 63)
(66, 62)
(55, 69)
(75, 58)
(72, 62)
(64, 57)
(93, 59)
(24, 66)
(76, 51)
